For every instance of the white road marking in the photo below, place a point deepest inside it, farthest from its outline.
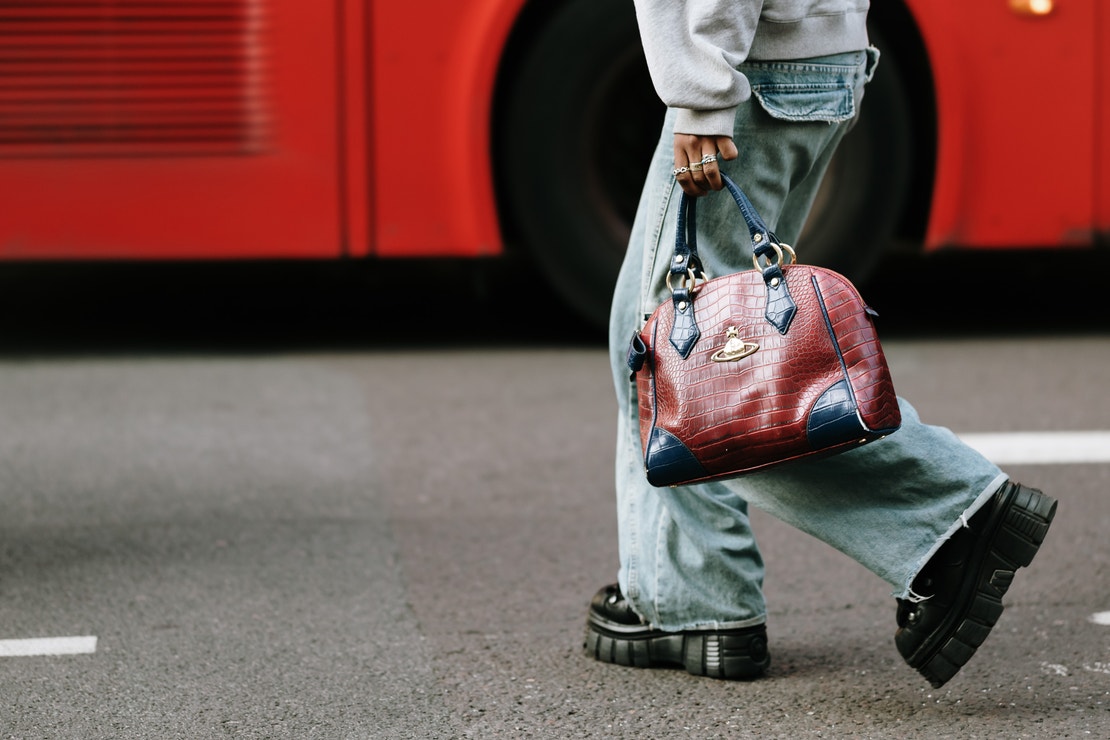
(1101, 618)
(48, 646)
(1042, 448)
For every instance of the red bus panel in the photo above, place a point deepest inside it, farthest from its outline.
(1016, 140)
(1102, 122)
(433, 85)
(169, 129)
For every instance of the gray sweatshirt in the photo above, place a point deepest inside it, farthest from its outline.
(694, 46)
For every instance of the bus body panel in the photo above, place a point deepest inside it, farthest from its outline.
(1016, 141)
(364, 129)
(159, 181)
(1101, 193)
(433, 87)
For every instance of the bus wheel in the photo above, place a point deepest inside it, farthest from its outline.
(581, 123)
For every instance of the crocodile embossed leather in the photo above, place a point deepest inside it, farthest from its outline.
(758, 368)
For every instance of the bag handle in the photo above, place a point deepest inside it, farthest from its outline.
(686, 237)
(686, 265)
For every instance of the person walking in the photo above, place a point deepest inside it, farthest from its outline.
(763, 91)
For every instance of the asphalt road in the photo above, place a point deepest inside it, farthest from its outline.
(294, 504)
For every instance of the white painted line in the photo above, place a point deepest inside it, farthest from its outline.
(1102, 618)
(1042, 448)
(47, 646)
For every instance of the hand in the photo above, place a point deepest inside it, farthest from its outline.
(695, 162)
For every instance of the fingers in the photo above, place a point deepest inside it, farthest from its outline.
(689, 169)
(700, 175)
(712, 170)
(722, 148)
(727, 148)
(696, 167)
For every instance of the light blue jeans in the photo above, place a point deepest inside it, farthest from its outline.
(688, 558)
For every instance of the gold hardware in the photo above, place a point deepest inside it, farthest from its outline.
(784, 256)
(1036, 8)
(735, 348)
(689, 280)
(776, 261)
(757, 238)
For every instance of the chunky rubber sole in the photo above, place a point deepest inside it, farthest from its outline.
(729, 654)
(1009, 540)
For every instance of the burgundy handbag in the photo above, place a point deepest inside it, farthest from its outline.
(758, 368)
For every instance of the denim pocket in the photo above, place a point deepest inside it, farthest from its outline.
(815, 89)
(831, 101)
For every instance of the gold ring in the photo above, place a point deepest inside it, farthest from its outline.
(696, 167)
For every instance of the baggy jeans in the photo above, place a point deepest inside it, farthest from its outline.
(688, 558)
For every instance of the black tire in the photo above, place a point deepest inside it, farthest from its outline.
(582, 120)
(856, 212)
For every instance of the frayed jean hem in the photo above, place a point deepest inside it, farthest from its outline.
(978, 503)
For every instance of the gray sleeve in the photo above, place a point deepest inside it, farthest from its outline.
(693, 48)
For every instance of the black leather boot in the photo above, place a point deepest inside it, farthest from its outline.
(960, 589)
(616, 634)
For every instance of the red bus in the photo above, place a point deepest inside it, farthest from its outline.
(374, 129)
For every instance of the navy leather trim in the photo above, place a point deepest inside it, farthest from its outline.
(834, 418)
(780, 304)
(668, 461)
(832, 334)
(684, 332)
(637, 352)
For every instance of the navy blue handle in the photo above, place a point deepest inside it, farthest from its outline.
(780, 306)
(686, 237)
